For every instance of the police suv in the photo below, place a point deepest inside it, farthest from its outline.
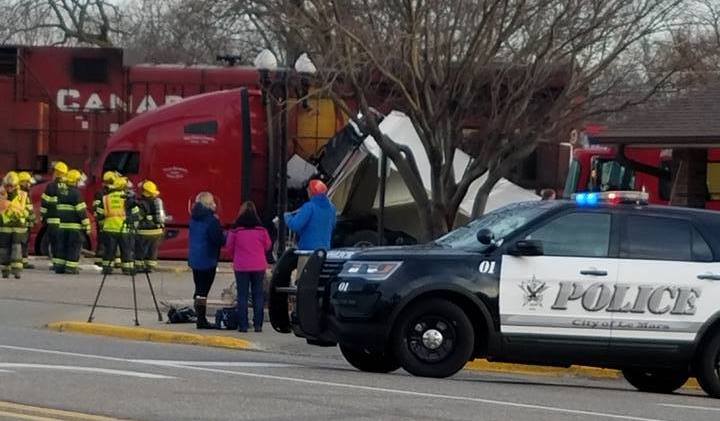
(604, 280)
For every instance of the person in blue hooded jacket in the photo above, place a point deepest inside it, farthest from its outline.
(314, 222)
(206, 239)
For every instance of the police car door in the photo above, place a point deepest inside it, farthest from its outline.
(556, 296)
(667, 287)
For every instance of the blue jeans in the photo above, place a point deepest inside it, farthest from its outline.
(254, 282)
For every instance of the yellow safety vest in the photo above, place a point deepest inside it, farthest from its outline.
(15, 212)
(114, 207)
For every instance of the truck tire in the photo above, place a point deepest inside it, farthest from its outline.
(707, 366)
(655, 380)
(433, 338)
(369, 362)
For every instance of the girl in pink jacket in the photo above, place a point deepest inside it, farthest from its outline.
(247, 242)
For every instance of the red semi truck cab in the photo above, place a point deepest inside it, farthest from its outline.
(215, 142)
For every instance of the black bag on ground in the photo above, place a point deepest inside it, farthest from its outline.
(227, 318)
(182, 315)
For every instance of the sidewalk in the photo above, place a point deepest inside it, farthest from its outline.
(62, 303)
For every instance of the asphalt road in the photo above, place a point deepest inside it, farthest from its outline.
(144, 381)
(46, 372)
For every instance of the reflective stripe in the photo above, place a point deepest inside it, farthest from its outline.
(47, 198)
(16, 265)
(72, 264)
(43, 209)
(6, 230)
(20, 230)
(65, 207)
(127, 264)
(57, 261)
(151, 232)
(80, 206)
(70, 226)
(53, 221)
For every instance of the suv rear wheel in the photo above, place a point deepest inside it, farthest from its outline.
(433, 338)
(368, 361)
(707, 366)
(655, 380)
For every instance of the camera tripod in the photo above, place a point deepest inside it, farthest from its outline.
(132, 277)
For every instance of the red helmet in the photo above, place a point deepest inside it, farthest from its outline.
(317, 187)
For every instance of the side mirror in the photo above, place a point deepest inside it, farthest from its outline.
(527, 248)
(485, 236)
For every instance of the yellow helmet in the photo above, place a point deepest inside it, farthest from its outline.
(110, 176)
(25, 177)
(72, 177)
(149, 189)
(119, 183)
(60, 168)
(11, 179)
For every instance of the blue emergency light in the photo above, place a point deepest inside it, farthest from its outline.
(612, 198)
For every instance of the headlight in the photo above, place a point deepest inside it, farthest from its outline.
(377, 271)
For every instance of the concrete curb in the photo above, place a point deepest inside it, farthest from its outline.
(150, 335)
(572, 371)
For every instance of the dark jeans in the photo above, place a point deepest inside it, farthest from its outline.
(253, 281)
(203, 281)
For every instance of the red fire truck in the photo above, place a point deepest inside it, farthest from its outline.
(599, 168)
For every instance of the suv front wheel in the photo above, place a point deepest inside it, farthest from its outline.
(368, 361)
(655, 380)
(707, 367)
(433, 338)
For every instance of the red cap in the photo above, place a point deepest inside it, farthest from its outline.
(317, 187)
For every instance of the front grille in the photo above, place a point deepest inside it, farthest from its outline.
(330, 269)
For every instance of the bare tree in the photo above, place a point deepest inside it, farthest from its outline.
(190, 31)
(83, 22)
(519, 71)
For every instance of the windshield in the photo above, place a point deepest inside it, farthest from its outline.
(502, 222)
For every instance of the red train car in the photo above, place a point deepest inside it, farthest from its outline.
(64, 102)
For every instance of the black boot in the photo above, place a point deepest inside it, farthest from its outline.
(200, 310)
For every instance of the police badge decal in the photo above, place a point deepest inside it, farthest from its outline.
(532, 291)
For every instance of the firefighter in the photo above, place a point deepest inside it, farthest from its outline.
(26, 181)
(48, 212)
(118, 216)
(74, 224)
(109, 178)
(14, 226)
(150, 227)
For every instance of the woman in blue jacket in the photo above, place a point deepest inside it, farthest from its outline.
(206, 239)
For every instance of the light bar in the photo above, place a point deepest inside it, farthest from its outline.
(611, 197)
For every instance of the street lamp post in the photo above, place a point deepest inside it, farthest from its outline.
(266, 63)
(275, 84)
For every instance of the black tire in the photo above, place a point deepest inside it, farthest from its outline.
(369, 362)
(707, 366)
(365, 238)
(655, 380)
(418, 347)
